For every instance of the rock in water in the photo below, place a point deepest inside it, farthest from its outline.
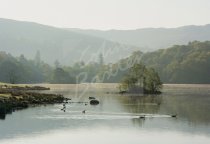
(94, 102)
(174, 116)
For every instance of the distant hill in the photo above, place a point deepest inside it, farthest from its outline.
(149, 39)
(72, 45)
(17, 37)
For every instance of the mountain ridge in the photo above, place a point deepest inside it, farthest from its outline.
(153, 38)
(17, 37)
(72, 45)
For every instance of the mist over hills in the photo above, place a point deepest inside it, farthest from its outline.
(17, 37)
(150, 39)
(178, 64)
(72, 45)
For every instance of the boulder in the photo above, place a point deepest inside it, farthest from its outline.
(94, 102)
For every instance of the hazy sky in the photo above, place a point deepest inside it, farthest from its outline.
(108, 14)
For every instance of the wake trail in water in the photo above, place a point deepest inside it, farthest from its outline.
(91, 115)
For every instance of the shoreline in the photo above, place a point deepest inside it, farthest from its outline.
(13, 97)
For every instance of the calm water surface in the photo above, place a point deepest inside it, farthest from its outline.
(115, 119)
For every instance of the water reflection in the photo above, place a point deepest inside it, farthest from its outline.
(2, 116)
(141, 104)
(104, 136)
(116, 112)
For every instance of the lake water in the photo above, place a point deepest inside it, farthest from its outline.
(115, 119)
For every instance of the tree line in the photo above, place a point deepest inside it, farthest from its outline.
(178, 64)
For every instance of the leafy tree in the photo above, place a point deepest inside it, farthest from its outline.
(141, 80)
(61, 76)
(10, 71)
(151, 81)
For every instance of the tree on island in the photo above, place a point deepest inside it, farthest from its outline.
(141, 80)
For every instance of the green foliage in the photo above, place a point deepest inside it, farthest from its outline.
(61, 76)
(178, 64)
(152, 82)
(141, 80)
(20, 70)
(182, 63)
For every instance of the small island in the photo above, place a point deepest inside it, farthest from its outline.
(13, 97)
(141, 79)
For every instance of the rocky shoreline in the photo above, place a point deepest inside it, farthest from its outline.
(18, 97)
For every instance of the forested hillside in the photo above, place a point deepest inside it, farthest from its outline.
(178, 64)
(21, 70)
(182, 63)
